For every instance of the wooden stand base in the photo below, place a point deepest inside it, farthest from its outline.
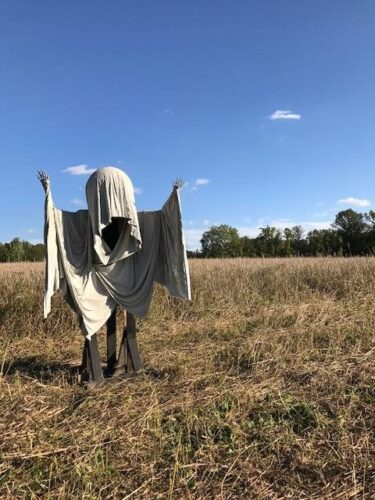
(128, 361)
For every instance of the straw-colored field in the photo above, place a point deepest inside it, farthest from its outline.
(262, 387)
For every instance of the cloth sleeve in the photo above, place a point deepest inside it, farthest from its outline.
(173, 270)
(52, 272)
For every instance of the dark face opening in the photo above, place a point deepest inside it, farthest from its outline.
(111, 233)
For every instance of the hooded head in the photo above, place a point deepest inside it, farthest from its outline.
(110, 196)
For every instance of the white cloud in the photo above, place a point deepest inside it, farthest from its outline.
(206, 222)
(31, 230)
(79, 170)
(138, 190)
(201, 181)
(282, 114)
(196, 184)
(355, 202)
(193, 238)
(78, 202)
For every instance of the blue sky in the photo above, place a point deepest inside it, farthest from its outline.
(266, 109)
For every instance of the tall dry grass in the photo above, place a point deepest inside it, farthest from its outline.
(261, 387)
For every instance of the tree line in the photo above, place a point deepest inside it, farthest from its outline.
(352, 233)
(19, 250)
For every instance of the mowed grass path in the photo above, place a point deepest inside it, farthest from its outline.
(262, 387)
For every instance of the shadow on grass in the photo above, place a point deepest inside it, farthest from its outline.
(41, 370)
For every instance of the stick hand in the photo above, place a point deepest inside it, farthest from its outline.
(42, 176)
(178, 183)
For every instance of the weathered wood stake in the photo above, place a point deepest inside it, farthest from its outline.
(111, 344)
(128, 360)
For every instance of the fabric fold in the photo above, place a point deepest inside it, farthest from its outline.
(95, 278)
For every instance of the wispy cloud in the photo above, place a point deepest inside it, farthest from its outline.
(283, 114)
(201, 181)
(168, 112)
(79, 170)
(355, 202)
(31, 230)
(138, 190)
(78, 202)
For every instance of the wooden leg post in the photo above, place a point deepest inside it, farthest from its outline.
(111, 344)
(91, 365)
(129, 360)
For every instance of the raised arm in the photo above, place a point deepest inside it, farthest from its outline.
(42, 176)
(178, 183)
(173, 268)
(52, 278)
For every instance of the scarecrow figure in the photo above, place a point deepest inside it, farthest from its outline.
(109, 256)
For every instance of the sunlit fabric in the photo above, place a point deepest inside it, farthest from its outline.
(96, 276)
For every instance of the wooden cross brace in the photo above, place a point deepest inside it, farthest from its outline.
(128, 361)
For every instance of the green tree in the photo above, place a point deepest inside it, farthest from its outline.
(221, 241)
(370, 232)
(269, 241)
(34, 252)
(249, 247)
(324, 242)
(299, 243)
(351, 226)
(288, 242)
(3, 253)
(16, 250)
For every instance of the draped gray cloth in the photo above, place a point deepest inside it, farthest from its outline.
(110, 193)
(95, 278)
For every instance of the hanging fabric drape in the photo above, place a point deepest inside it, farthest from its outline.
(94, 277)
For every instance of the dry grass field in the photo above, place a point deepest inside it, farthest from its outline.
(262, 387)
